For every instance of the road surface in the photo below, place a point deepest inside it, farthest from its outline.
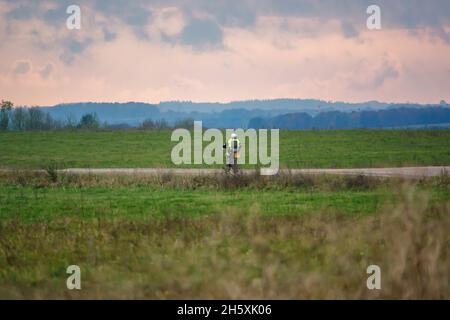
(407, 172)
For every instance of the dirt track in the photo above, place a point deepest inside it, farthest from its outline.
(408, 172)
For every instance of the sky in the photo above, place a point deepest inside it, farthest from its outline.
(224, 50)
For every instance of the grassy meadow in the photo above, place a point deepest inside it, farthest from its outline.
(229, 237)
(166, 237)
(298, 149)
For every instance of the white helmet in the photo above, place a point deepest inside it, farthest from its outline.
(233, 136)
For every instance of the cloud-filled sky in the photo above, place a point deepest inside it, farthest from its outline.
(224, 50)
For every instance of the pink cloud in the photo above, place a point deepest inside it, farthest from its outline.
(276, 57)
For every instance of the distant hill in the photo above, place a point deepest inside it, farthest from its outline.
(301, 113)
(311, 106)
(131, 113)
(401, 117)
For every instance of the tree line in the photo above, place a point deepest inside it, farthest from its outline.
(28, 119)
(390, 118)
(35, 119)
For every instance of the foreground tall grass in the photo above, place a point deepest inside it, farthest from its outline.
(237, 253)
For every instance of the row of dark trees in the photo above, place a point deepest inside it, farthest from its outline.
(34, 118)
(150, 124)
(391, 118)
(27, 119)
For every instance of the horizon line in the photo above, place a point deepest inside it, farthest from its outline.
(231, 101)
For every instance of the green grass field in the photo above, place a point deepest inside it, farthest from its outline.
(247, 237)
(223, 237)
(298, 149)
(136, 202)
(34, 198)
